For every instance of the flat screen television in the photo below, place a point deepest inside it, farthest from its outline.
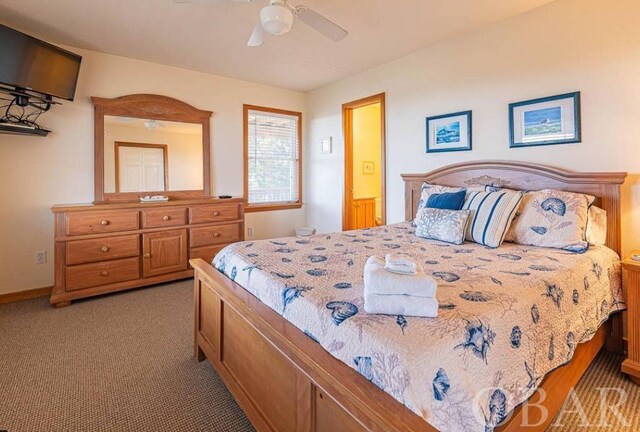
(31, 64)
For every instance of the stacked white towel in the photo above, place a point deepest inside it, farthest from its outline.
(390, 293)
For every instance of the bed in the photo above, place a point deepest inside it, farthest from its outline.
(283, 324)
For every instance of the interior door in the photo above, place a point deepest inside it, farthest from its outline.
(164, 252)
(141, 169)
(364, 163)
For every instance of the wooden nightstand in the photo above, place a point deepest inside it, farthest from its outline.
(631, 283)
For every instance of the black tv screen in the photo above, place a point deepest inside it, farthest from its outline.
(32, 64)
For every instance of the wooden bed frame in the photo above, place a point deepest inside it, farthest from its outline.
(286, 382)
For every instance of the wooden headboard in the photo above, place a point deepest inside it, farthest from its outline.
(525, 176)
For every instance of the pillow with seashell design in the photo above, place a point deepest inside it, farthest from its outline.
(440, 224)
(553, 219)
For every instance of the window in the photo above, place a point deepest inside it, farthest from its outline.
(272, 169)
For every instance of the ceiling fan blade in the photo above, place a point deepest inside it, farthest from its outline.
(325, 26)
(257, 36)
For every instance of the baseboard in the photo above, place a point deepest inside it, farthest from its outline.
(25, 295)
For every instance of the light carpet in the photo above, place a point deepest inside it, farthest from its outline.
(123, 362)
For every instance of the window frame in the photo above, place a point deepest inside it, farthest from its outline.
(249, 208)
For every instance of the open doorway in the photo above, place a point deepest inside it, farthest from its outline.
(365, 165)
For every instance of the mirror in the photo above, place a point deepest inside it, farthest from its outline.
(150, 145)
(146, 155)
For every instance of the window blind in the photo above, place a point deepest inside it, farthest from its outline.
(273, 156)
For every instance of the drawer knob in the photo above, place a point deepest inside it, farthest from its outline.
(104, 249)
(147, 255)
(104, 273)
(166, 218)
(105, 222)
(216, 213)
(216, 235)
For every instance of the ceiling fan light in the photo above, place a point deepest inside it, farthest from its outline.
(276, 19)
(150, 124)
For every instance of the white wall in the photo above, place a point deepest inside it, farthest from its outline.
(39, 172)
(568, 45)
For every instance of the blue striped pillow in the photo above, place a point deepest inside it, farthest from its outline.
(491, 215)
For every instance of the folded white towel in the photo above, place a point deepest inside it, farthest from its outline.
(399, 264)
(377, 280)
(400, 305)
(392, 258)
(401, 269)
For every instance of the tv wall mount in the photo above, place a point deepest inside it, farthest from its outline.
(20, 110)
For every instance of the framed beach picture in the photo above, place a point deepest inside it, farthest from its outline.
(545, 121)
(449, 132)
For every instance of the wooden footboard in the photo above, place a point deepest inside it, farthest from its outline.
(284, 381)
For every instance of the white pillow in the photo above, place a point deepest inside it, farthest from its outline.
(491, 215)
(597, 226)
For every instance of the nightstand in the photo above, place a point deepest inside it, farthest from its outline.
(631, 284)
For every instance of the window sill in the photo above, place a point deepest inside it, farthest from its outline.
(251, 208)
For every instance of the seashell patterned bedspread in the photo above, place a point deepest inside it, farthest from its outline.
(507, 316)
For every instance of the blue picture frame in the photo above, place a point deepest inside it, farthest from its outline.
(442, 135)
(545, 121)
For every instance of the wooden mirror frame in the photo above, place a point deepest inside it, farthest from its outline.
(153, 107)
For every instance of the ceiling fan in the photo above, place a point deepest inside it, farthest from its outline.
(277, 19)
(148, 124)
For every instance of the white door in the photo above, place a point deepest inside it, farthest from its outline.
(141, 169)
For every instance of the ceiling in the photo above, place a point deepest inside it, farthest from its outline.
(212, 37)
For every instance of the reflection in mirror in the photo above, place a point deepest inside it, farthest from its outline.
(142, 155)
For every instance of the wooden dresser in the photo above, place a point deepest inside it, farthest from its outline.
(102, 248)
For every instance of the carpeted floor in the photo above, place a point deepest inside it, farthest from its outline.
(602, 385)
(124, 363)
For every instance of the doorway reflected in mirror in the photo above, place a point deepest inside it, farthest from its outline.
(143, 155)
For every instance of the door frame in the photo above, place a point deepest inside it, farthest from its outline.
(347, 128)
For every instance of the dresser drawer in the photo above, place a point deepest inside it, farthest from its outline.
(206, 253)
(158, 218)
(102, 222)
(108, 248)
(214, 235)
(214, 213)
(103, 273)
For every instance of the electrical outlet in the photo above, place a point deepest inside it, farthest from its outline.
(249, 231)
(41, 257)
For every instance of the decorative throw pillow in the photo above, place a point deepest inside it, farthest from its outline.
(447, 200)
(440, 224)
(491, 215)
(597, 226)
(429, 189)
(554, 219)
